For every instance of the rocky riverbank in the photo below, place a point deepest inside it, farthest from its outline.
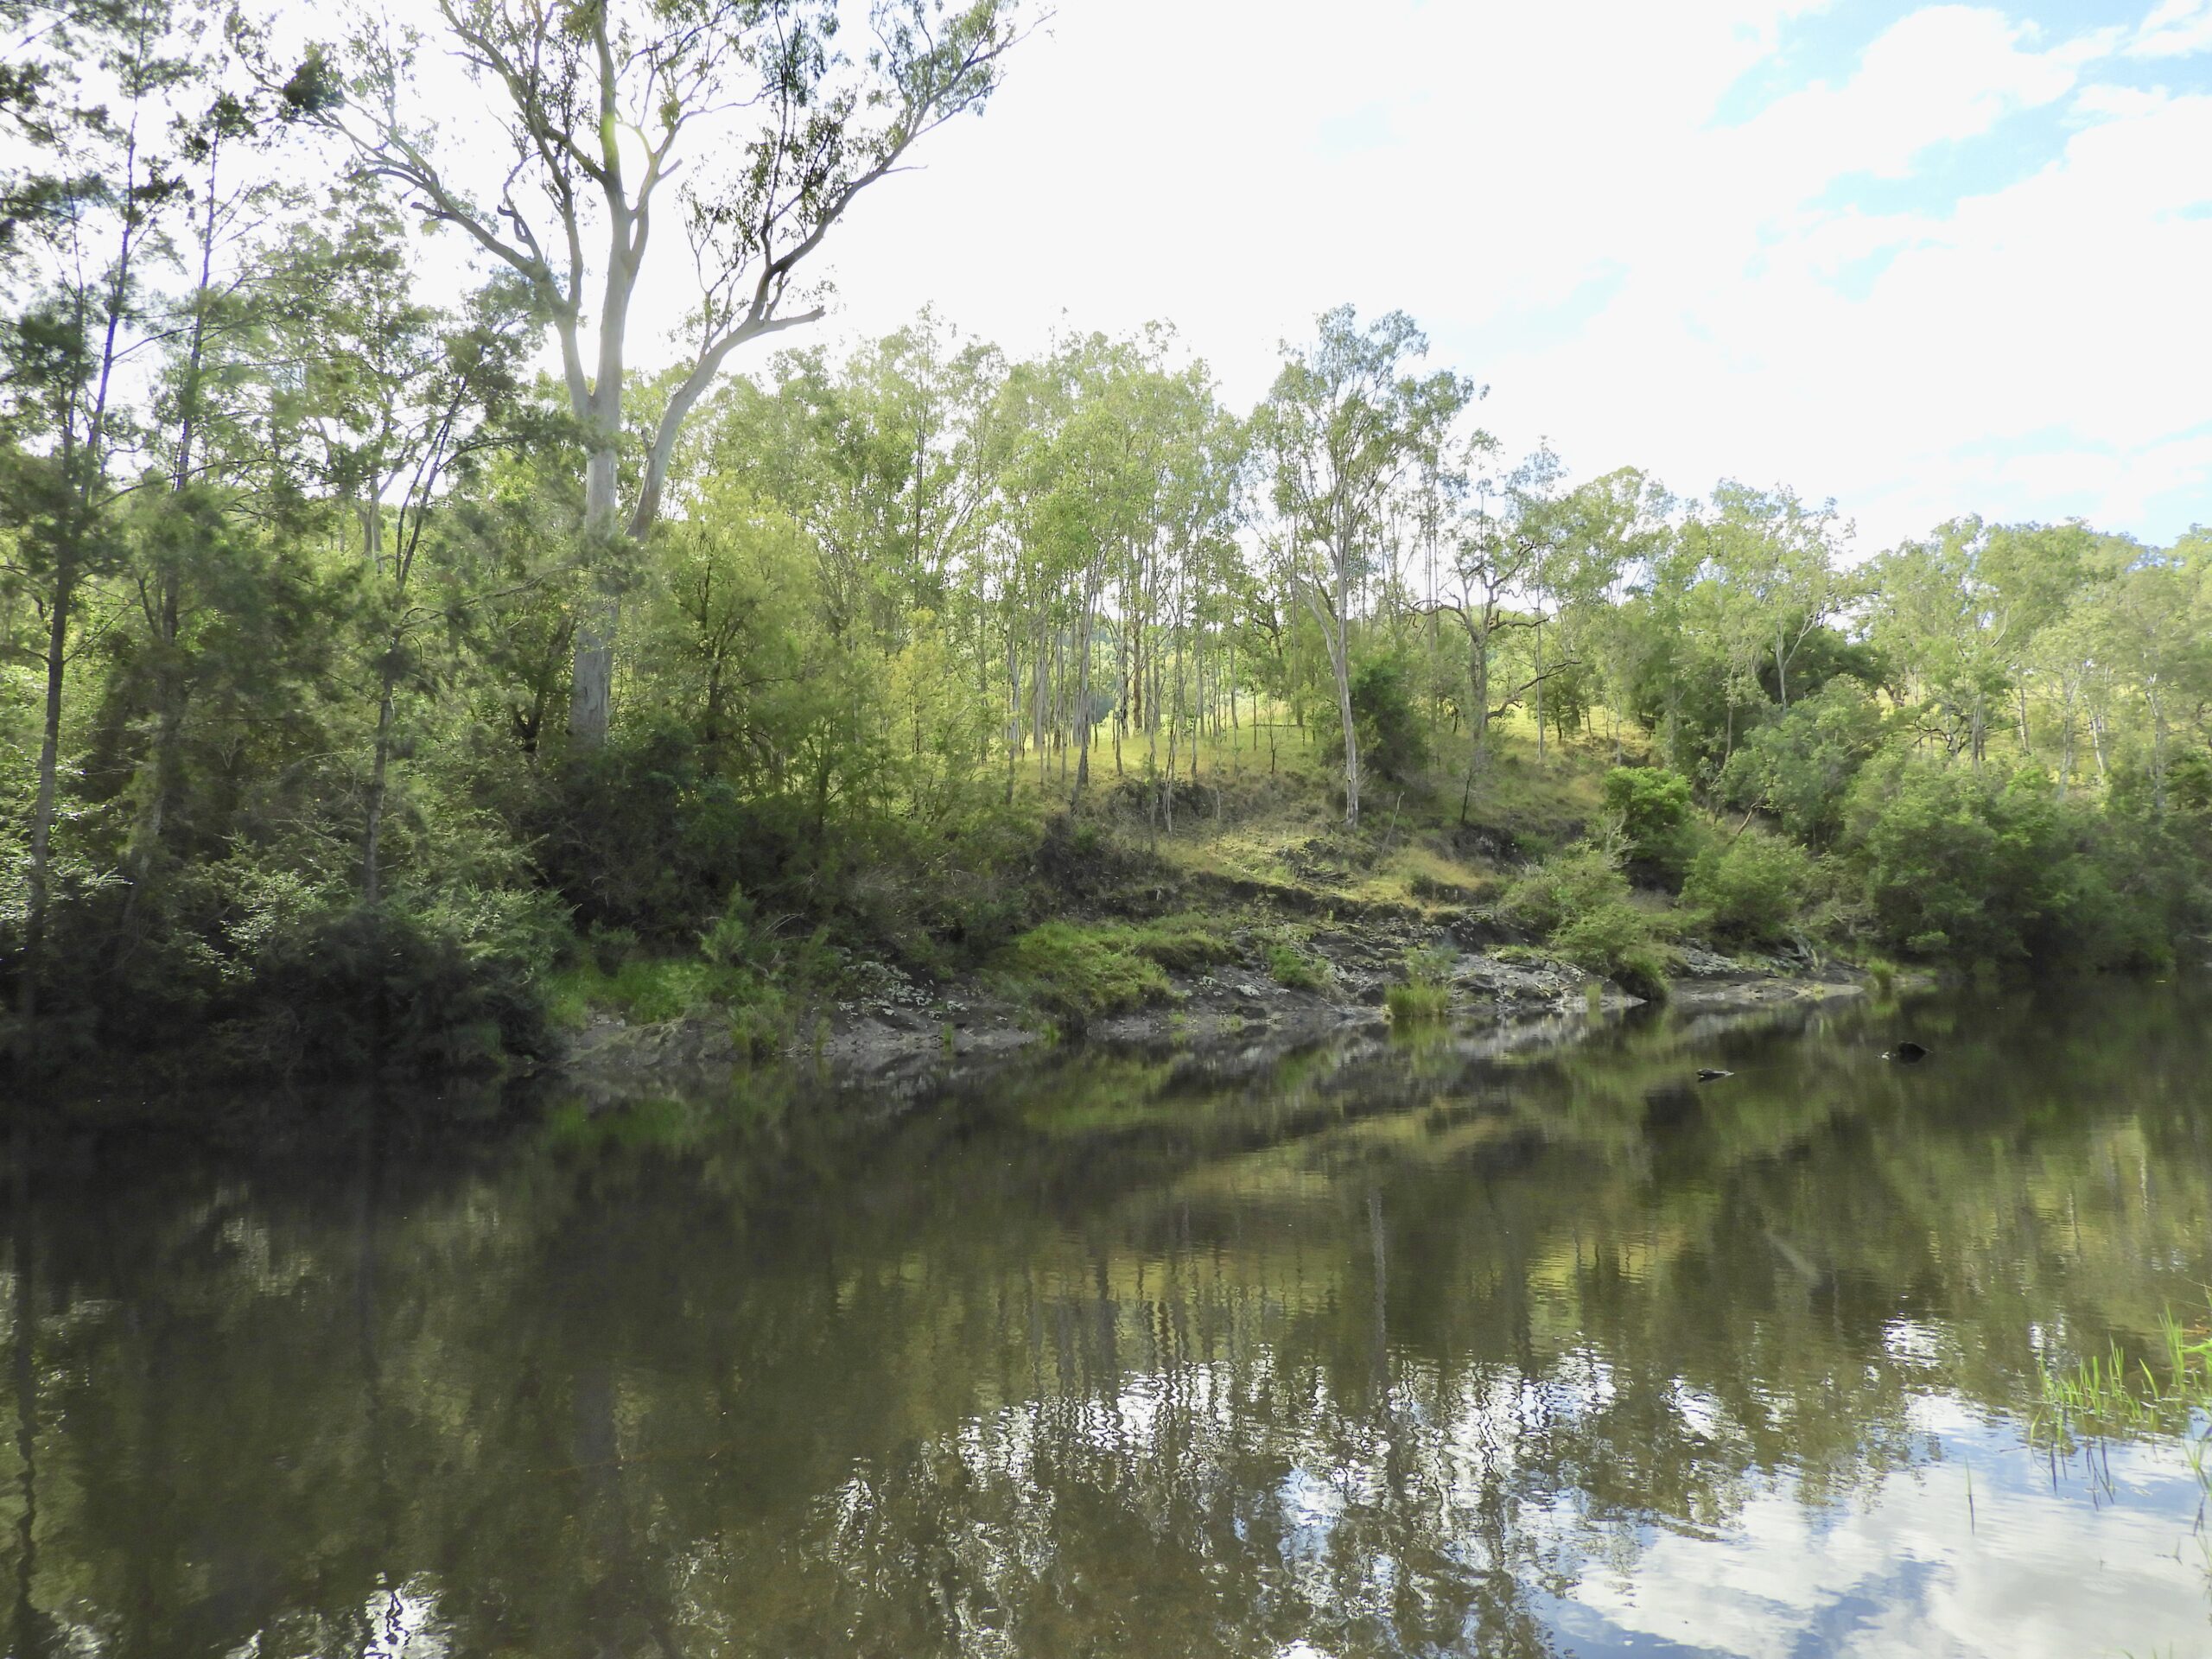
(899, 1026)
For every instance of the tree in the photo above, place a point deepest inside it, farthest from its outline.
(97, 218)
(1345, 425)
(1558, 554)
(1775, 561)
(404, 395)
(598, 104)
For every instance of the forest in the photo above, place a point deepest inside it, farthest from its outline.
(398, 650)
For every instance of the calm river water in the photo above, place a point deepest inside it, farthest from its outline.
(1433, 1348)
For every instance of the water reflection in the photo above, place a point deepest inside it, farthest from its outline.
(1461, 1347)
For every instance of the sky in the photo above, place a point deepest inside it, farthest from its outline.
(1924, 260)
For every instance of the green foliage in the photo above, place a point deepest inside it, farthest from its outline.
(1799, 766)
(646, 990)
(1180, 944)
(1417, 1002)
(449, 983)
(1579, 899)
(290, 767)
(1077, 973)
(2189, 785)
(1653, 805)
(1754, 888)
(1426, 995)
(1296, 970)
(1393, 737)
(1955, 865)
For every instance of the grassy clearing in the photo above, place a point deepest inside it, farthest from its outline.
(1252, 808)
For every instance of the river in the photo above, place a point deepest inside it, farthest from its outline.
(1447, 1346)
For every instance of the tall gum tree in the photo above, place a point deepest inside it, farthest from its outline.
(600, 105)
(1345, 427)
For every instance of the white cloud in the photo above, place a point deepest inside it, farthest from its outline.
(2174, 28)
(1904, 1570)
(1941, 74)
(1544, 188)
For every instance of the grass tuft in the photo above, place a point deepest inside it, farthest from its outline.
(1294, 969)
(1425, 997)
(1076, 972)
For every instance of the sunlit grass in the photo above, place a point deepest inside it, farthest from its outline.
(2166, 1396)
(2108, 1394)
(1077, 971)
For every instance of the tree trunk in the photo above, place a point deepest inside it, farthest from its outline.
(1540, 688)
(37, 896)
(1083, 691)
(371, 874)
(32, 1632)
(591, 704)
(1336, 632)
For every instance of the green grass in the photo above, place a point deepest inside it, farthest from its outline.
(650, 990)
(2104, 1393)
(2107, 1397)
(1178, 943)
(642, 989)
(1296, 970)
(1415, 1003)
(1076, 972)
(1425, 997)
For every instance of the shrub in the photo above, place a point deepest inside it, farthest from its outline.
(1799, 766)
(1393, 739)
(420, 983)
(1955, 865)
(1579, 900)
(1753, 887)
(1289, 966)
(1653, 805)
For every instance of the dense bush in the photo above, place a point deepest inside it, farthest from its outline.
(1580, 901)
(453, 981)
(1393, 737)
(1799, 765)
(1953, 864)
(1754, 888)
(243, 966)
(1653, 806)
(648, 837)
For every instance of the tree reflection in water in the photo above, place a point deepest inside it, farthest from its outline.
(1404, 1349)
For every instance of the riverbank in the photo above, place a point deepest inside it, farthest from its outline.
(1350, 959)
(1236, 910)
